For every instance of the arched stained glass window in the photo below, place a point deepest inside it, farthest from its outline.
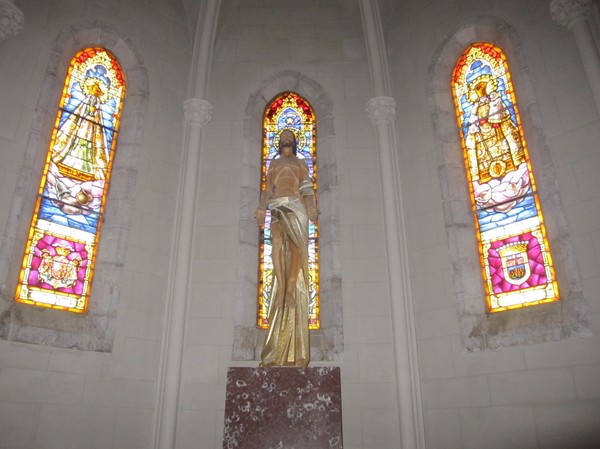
(292, 112)
(515, 255)
(61, 248)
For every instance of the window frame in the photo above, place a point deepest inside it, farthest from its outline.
(522, 234)
(326, 342)
(81, 240)
(307, 131)
(479, 329)
(95, 330)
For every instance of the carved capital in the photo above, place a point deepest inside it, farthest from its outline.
(564, 12)
(197, 111)
(11, 20)
(381, 109)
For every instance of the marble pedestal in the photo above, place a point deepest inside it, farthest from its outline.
(283, 408)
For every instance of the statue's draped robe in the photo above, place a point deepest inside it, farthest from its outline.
(287, 342)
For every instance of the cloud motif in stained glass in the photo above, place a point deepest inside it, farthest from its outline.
(59, 256)
(515, 254)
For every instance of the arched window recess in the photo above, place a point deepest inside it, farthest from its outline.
(58, 264)
(292, 112)
(515, 257)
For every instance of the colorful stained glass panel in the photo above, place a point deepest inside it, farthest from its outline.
(292, 112)
(515, 255)
(59, 257)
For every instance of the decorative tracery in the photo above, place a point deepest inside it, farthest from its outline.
(292, 112)
(515, 254)
(61, 249)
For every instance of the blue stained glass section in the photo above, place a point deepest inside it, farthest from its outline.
(268, 234)
(490, 219)
(289, 118)
(51, 211)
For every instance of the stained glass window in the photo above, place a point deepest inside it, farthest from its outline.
(288, 111)
(515, 255)
(61, 248)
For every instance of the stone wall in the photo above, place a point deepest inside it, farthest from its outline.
(61, 391)
(535, 393)
(317, 50)
(529, 391)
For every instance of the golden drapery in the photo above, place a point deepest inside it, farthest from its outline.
(288, 342)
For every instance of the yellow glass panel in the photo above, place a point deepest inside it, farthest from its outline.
(514, 251)
(288, 111)
(58, 264)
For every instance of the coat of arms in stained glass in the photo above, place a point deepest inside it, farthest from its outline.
(515, 255)
(60, 252)
(288, 111)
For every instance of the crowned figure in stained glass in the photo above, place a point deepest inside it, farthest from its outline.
(515, 254)
(59, 257)
(80, 149)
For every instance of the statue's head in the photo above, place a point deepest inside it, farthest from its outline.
(287, 138)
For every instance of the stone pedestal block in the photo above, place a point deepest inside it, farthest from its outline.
(283, 408)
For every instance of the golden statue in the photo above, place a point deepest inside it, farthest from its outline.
(290, 196)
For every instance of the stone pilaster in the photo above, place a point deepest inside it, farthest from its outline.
(565, 12)
(574, 14)
(381, 110)
(197, 111)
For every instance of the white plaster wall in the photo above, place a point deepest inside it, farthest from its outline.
(531, 396)
(62, 398)
(321, 41)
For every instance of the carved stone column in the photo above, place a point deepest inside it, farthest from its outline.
(382, 111)
(197, 113)
(11, 20)
(575, 15)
